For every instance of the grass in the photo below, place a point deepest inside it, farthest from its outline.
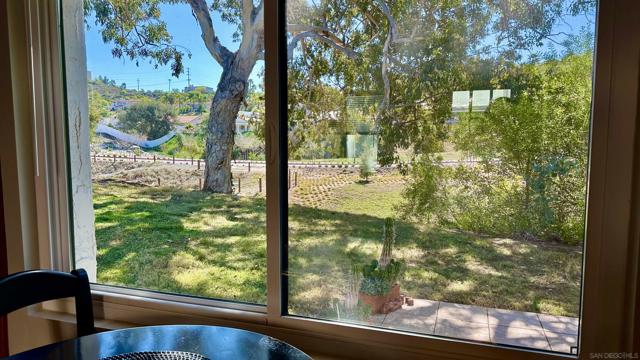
(183, 146)
(215, 245)
(179, 241)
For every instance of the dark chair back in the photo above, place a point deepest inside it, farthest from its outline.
(31, 287)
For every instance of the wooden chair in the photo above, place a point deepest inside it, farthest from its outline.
(31, 287)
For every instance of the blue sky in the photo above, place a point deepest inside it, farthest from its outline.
(185, 31)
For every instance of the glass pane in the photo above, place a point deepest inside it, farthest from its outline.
(177, 147)
(437, 165)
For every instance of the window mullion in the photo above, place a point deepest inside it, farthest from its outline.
(275, 78)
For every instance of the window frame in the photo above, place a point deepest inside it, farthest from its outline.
(610, 269)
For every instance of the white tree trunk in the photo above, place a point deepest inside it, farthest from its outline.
(221, 128)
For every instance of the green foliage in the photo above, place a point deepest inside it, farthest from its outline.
(374, 286)
(426, 65)
(427, 195)
(135, 30)
(150, 119)
(533, 148)
(316, 119)
(378, 280)
(367, 164)
(184, 146)
(98, 109)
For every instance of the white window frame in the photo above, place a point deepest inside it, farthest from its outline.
(611, 254)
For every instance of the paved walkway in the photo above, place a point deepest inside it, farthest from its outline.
(539, 331)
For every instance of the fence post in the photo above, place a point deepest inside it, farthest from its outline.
(249, 166)
(94, 157)
(174, 159)
(154, 158)
(199, 183)
(239, 185)
(134, 158)
(114, 157)
(198, 164)
(158, 181)
(259, 185)
(295, 182)
(192, 160)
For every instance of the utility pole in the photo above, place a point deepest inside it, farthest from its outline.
(138, 80)
(169, 85)
(189, 77)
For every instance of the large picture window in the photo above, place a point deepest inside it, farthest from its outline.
(177, 147)
(437, 156)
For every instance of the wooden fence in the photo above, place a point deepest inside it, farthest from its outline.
(199, 163)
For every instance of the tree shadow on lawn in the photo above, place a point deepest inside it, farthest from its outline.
(213, 245)
(441, 265)
(496, 272)
(186, 242)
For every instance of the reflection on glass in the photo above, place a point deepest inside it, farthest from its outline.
(437, 166)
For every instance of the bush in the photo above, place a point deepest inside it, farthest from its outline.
(184, 146)
(367, 162)
(531, 178)
(150, 119)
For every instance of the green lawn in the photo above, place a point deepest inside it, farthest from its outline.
(215, 245)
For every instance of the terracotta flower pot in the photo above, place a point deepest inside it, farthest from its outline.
(376, 302)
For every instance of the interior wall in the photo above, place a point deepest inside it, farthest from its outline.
(24, 331)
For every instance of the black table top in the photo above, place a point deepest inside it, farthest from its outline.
(213, 342)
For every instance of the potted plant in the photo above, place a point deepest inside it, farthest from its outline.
(379, 287)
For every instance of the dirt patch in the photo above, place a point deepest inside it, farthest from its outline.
(179, 176)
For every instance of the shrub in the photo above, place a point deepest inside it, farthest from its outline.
(367, 163)
(532, 149)
(150, 119)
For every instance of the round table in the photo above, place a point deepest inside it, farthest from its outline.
(213, 342)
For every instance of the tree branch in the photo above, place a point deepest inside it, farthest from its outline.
(219, 52)
(296, 28)
(310, 34)
(247, 12)
(319, 33)
(257, 17)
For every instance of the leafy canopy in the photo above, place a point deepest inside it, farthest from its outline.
(150, 119)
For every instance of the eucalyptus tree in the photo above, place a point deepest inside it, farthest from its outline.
(136, 30)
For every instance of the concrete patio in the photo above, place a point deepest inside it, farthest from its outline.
(539, 331)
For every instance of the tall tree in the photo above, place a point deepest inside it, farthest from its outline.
(136, 30)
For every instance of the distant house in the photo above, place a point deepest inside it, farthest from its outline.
(121, 104)
(243, 121)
